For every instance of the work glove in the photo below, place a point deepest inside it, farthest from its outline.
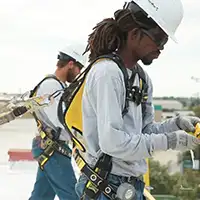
(187, 123)
(180, 140)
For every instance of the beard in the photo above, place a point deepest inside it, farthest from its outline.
(146, 60)
(70, 75)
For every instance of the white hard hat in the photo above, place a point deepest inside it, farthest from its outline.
(167, 14)
(73, 52)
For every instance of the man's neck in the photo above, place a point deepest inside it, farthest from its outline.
(60, 76)
(127, 58)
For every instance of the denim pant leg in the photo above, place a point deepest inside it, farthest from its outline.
(42, 189)
(36, 149)
(61, 176)
(139, 186)
(113, 181)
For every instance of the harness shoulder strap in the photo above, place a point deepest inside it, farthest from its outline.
(141, 72)
(32, 92)
(144, 87)
(137, 94)
(75, 88)
(114, 57)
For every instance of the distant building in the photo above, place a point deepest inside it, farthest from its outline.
(158, 113)
(185, 112)
(168, 104)
(167, 115)
(172, 108)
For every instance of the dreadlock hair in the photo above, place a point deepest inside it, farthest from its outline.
(110, 34)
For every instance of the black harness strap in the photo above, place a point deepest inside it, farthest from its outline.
(47, 77)
(32, 92)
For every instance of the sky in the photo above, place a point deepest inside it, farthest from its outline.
(33, 31)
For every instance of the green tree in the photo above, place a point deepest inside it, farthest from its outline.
(196, 110)
(160, 179)
(184, 186)
(187, 185)
(187, 155)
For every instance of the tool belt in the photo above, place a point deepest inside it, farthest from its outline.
(97, 177)
(50, 144)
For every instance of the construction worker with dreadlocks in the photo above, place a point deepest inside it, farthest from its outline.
(56, 176)
(117, 142)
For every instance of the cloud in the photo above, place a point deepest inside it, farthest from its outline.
(32, 32)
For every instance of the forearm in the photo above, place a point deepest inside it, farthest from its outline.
(131, 147)
(150, 126)
(161, 127)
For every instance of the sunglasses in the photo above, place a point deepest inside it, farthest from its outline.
(147, 24)
(156, 35)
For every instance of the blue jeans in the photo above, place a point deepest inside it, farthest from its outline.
(114, 181)
(57, 178)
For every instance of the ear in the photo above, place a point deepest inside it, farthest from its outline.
(70, 64)
(135, 35)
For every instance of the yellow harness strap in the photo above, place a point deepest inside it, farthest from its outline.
(73, 116)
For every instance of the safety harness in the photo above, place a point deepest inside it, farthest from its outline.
(49, 137)
(97, 176)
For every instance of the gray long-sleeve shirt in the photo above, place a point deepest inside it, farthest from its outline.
(49, 114)
(129, 139)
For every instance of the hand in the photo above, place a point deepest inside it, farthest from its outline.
(180, 140)
(187, 123)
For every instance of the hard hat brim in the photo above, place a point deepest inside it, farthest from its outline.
(156, 19)
(171, 35)
(160, 23)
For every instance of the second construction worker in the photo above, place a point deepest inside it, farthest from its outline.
(55, 174)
